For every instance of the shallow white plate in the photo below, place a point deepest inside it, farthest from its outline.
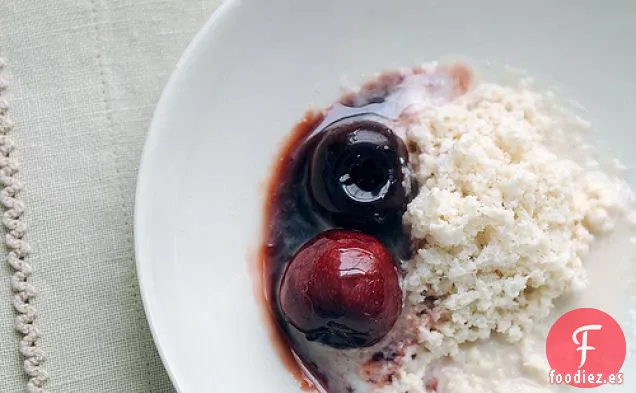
(250, 75)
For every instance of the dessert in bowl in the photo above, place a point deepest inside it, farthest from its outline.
(426, 226)
(251, 75)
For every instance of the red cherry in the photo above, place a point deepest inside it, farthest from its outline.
(342, 289)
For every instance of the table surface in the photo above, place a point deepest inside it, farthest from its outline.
(83, 79)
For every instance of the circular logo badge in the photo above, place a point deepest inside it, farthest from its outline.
(586, 348)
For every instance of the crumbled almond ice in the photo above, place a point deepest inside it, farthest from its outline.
(502, 221)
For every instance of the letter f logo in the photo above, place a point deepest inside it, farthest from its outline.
(583, 344)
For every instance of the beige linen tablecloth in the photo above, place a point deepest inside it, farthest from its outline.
(83, 79)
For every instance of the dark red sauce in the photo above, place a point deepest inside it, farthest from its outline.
(290, 221)
(282, 172)
(291, 218)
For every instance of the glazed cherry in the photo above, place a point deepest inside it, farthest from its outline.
(357, 172)
(342, 289)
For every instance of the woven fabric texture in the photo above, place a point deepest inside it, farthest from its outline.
(83, 78)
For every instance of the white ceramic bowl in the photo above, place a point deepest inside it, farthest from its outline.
(251, 74)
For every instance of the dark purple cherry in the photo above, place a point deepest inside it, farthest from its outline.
(357, 172)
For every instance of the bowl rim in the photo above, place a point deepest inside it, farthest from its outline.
(219, 15)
